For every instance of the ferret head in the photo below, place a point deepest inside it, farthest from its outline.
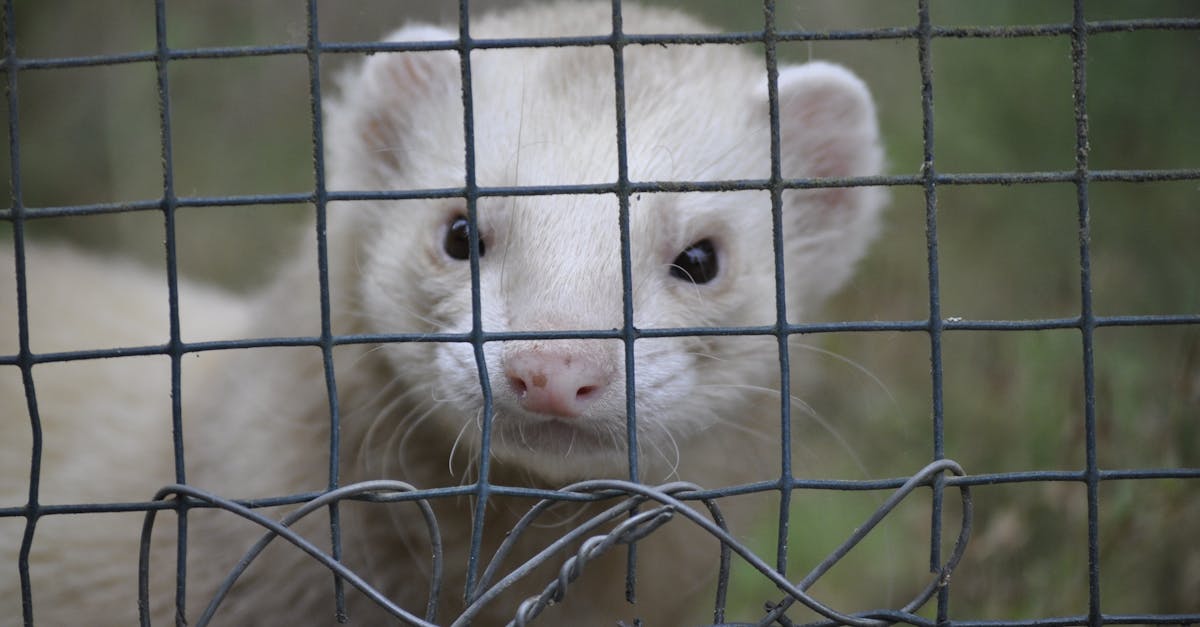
(552, 262)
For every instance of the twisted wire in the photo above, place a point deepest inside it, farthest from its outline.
(670, 505)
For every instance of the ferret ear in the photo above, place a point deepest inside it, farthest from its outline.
(414, 73)
(828, 129)
(375, 110)
(827, 123)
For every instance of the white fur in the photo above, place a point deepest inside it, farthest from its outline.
(256, 421)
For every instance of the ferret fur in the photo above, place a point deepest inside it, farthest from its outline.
(256, 422)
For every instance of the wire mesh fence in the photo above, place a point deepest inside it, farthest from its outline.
(635, 510)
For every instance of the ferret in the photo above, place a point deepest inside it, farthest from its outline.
(256, 422)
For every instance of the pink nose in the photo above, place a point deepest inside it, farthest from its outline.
(555, 384)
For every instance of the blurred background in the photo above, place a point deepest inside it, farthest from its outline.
(1013, 400)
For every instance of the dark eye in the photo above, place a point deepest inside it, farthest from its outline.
(697, 263)
(458, 239)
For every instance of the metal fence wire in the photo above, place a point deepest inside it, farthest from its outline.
(639, 509)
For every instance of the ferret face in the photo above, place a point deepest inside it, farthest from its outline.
(553, 262)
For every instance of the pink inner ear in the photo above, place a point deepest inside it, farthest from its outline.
(406, 72)
(828, 130)
(377, 133)
(828, 154)
(829, 158)
(824, 138)
(400, 73)
(395, 79)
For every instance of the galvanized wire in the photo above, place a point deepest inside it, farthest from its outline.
(626, 523)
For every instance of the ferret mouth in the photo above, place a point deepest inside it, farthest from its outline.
(562, 437)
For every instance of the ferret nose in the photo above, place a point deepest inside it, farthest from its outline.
(562, 385)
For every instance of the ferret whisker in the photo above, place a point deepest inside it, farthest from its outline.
(388, 454)
(671, 463)
(677, 451)
(454, 447)
(852, 363)
(669, 152)
(470, 473)
(516, 158)
(388, 322)
(816, 417)
(367, 445)
(695, 286)
(379, 417)
(521, 435)
(637, 289)
(409, 431)
(720, 159)
(395, 301)
(434, 325)
(762, 434)
(620, 438)
(385, 390)
(570, 445)
(433, 395)
(706, 355)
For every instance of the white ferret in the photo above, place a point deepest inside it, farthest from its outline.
(256, 421)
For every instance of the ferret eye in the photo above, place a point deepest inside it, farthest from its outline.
(697, 263)
(458, 239)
